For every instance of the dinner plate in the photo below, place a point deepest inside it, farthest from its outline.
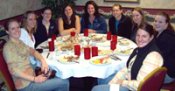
(104, 52)
(124, 52)
(100, 60)
(65, 47)
(68, 59)
(124, 42)
(97, 38)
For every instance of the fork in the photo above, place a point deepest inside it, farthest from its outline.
(114, 57)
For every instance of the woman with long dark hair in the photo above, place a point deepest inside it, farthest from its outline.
(69, 22)
(164, 39)
(92, 20)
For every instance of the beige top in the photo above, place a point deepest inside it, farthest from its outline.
(16, 56)
(152, 61)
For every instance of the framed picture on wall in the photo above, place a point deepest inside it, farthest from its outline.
(130, 1)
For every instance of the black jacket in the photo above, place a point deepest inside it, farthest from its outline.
(166, 44)
(124, 27)
(41, 34)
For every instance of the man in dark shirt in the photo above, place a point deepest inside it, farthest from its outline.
(120, 24)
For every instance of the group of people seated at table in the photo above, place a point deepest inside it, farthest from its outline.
(155, 45)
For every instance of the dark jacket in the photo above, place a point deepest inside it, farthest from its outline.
(124, 26)
(133, 32)
(166, 44)
(41, 33)
(141, 54)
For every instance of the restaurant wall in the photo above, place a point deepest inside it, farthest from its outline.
(150, 7)
(155, 4)
(10, 8)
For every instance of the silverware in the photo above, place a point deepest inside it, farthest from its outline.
(114, 57)
(75, 61)
(44, 47)
(48, 54)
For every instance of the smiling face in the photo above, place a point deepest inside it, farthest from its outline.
(137, 17)
(47, 14)
(116, 12)
(160, 23)
(14, 30)
(143, 38)
(68, 11)
(31, 20)
(91, 9)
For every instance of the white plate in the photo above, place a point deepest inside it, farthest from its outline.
(65, 59)
(101, 60)
(124, 52)
(97, 37)
(104, 52)
(124, 42)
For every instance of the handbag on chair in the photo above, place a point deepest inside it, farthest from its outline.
(50, 74)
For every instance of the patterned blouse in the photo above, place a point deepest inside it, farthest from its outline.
(17, 59)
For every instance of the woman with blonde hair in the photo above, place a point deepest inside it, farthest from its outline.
(29, 25)
(16, 55)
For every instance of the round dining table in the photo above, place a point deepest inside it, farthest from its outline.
(81, 67)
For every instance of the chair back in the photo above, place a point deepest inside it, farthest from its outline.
(154, 80)
(2, 42)
(5, 74)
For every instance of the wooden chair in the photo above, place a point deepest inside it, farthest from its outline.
(2, 42)
(4, 72)
(154, 81)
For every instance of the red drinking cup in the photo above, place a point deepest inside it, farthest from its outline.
(54, 37)
(86, 32)
(51, 45)
(113, 45)
(114, 38)
(108, 35)
(72, 34)
(94, 51)
(87, 53)
(77, 49)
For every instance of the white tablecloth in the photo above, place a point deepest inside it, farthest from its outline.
(84, 68)
(114, 87)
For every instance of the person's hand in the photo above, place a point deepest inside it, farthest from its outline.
(91, 31)
(40, 78)
(44, 67)
(116, 81)
(119, 81)
(73, 29)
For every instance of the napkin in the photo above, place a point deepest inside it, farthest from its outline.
(114, 87)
